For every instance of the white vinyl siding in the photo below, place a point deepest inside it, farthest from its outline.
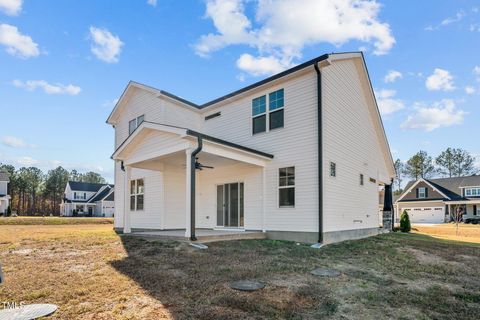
(351, 141)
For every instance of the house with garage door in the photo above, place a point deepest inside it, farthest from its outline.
(300, 156)
(88, 199)
(438, 200)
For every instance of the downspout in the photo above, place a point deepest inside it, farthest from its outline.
(320, 152)
(193, 169)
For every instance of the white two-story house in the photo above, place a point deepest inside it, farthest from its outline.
(299, 156)
(88, 199)
(4, 197)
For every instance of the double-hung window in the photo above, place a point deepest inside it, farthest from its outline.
(472, 192)
(275, 108)
(133, 124)
(259, 114)
(286, 187)
(137, 191)
(274, 116)
(422, 193)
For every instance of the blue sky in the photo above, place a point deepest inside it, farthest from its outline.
(63, 64)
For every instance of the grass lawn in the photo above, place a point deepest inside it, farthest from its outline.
(53, 220)
(92, 273)
(466, 232)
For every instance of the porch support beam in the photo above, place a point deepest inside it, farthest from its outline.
(126, 209)
(188, 190)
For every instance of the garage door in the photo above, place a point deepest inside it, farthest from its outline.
(426, 214)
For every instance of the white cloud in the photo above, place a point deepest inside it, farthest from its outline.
(469, 90)
(447, 21)
(153, 3)
(17, 44)
(443, 113)
(11, 7)
(47, 87)
(110, 103)
(13, 142)
(476, 72)
(387, 104)
(283, 28)
(392, 76)
(105, 46)
(259, 66)
(440, 80)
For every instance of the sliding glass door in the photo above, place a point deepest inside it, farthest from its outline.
(230, 205)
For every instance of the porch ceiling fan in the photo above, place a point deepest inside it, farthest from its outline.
(200, 166)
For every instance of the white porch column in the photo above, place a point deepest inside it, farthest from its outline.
(264, 200)
(188, 180)
(126, 209)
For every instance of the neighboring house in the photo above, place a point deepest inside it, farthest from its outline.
(92, 199)
(4, 197)
(299, 156)
(436, 200)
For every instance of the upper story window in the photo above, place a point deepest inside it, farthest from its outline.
(333, 169)
(286, 187)
(259, 110)
(133, 124)
(275, 106)
(472, 192)
(137, 191)
(361, 179)
(80, 195)
(274, 115)
(422, 193)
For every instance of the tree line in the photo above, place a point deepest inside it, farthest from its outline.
(452, 162)
(33, 192)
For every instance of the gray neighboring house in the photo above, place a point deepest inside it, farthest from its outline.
(434, 200)
(93, 199)
(4, 197)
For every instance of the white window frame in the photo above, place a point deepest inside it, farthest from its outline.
(267, 112)
(469, 192)
(424, 190)
(287, 186)
(136, 194)
(137, 123)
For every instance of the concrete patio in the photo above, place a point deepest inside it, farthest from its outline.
(203, 235)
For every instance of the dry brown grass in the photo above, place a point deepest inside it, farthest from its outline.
(465, 232)
(92, 273)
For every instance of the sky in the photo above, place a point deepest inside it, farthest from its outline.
(63, 65)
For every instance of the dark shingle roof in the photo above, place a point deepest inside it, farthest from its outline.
(4, 176)
(100, 195)
(451, 186)
(111, 197)
(85, 186)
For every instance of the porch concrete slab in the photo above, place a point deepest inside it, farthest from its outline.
(203, 235)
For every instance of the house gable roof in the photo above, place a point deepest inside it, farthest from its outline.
(450, 187)
(412, 185)
(101, 194)
(85, 186)
(325, 59)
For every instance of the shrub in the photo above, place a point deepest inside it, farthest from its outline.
(9, 211)
(405, 222)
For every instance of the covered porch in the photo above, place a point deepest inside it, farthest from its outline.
(465, 208)
(191, 185)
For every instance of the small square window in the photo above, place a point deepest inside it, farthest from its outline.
(259, 124)
(333, 169)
